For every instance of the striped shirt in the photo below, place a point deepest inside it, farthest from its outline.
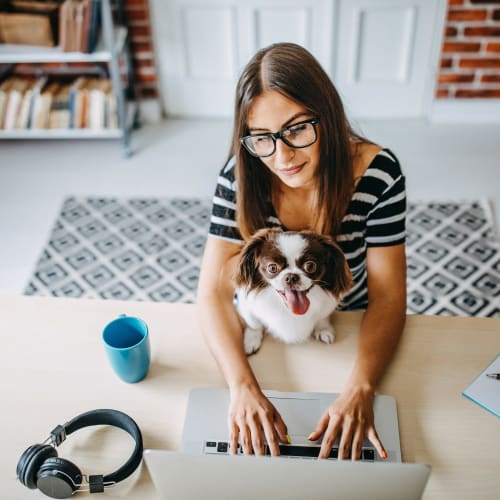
(375, 217)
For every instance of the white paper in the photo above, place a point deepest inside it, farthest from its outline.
(484, 390)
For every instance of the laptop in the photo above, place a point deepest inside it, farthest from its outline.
(205, 469)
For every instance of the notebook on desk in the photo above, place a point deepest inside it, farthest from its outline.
(204, 469)
(484, 390)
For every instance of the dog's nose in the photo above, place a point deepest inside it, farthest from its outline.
(292, 279)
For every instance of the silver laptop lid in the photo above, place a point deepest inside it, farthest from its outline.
(183, 476)
(206, 419)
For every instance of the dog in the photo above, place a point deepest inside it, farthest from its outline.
(288, 284)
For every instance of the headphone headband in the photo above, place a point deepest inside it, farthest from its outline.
(114, 418)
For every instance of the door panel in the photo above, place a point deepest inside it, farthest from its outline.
(385, 60)
(379, 53)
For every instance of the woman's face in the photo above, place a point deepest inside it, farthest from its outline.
(271, 112)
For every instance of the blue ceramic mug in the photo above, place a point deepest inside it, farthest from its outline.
(126, 340)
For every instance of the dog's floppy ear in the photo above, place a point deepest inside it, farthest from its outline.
(247, 274)
(338, 276)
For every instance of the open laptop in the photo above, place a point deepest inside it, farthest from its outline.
(205, 469)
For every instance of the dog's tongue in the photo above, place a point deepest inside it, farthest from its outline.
(297, 301)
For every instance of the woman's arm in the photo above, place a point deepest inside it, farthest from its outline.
(350, 417)
(251, 415)
(219, 321)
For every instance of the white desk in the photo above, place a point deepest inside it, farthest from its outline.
(53, 367)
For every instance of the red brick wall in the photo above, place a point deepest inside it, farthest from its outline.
(139, 23)
(470, 53)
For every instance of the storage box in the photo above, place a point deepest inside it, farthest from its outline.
(30, 23)
(26, 29)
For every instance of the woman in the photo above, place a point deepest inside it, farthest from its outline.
(296, 163)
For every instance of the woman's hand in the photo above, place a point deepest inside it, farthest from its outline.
(256, 421)
(350, 418)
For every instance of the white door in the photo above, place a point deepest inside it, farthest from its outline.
(387, 55)
(378, 52)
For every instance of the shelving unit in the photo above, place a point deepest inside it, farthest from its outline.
(112, 45)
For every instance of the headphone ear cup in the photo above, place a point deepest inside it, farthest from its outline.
(30, 462)
(58, 478)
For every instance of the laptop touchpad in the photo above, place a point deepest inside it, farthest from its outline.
(300, 415)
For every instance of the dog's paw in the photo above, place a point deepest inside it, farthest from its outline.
(252, 340)
(325, 335)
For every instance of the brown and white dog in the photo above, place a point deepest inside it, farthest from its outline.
(288, 284)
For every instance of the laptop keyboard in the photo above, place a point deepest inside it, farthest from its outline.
(288, 451)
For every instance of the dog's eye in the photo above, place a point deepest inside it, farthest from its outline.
(272, 268)
(310, 266)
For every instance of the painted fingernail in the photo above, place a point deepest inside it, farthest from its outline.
(384, 454)
(288, 439)
(310, 436)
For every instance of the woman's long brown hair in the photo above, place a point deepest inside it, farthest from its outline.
(291, 70)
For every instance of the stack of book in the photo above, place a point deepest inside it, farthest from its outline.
(79, 24)
(36, 103)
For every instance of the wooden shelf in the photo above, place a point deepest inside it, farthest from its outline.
(82, 133)
(13, 54)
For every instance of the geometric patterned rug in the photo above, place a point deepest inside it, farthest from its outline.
(453, 260)
(150, 249)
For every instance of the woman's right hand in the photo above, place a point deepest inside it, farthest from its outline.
(252, 418)
(256, 421)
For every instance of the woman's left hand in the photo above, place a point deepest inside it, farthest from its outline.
(350, 418)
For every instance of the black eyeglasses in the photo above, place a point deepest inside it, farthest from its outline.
(298, 135)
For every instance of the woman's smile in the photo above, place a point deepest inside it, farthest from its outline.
(292, 170)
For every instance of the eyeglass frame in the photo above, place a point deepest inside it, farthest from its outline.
(279, 135)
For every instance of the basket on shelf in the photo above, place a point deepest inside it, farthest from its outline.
(29, 22)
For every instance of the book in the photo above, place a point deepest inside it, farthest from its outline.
(75, 102)
(40, 84)
(87, 11)
(94, 25)
(67, 27)
(24, 109)
(97, 104)
(485, 391)
(42, 106)
(63, 26)
(59, 116)
(78, 26)
(4, 98)
(81, 116)
(14, 102)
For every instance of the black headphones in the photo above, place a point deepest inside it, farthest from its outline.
(40, 467)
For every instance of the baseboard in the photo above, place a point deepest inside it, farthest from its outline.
(465, 111)
(151, 110)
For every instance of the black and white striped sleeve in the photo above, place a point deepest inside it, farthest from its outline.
(223, 219)
(386, 222)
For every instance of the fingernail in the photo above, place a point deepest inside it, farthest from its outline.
(310, 436)
(288, 439)
(384, 454)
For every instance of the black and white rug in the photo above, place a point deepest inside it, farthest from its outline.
(150, 249)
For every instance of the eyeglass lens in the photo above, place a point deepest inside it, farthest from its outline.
(297, 136)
